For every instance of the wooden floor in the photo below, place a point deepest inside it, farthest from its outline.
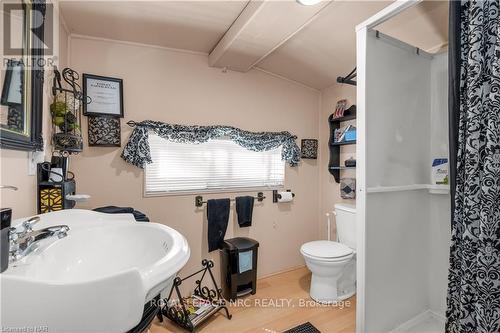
(268, 310)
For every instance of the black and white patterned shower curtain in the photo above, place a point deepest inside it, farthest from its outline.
(474, 274)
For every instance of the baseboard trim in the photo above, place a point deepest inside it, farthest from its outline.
(286, 270)
(418, 319)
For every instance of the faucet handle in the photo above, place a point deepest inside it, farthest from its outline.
(28, 225)
(63, 232)
(13, 243)
(13, 235)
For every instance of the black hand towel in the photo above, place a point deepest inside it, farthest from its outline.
(244, 209)
(218, 217)
(139, 216)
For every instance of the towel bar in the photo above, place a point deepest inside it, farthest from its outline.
(198, 200)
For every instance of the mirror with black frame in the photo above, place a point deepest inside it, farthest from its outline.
(21, 75)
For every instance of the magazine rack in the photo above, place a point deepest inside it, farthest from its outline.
(176, 310)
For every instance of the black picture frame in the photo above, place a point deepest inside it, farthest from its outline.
(86, 77)
(35, 13)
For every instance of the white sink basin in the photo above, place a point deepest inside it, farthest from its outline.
(96, 279)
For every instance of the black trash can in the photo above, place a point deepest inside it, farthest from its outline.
(239, 267)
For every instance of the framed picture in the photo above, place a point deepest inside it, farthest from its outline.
(105, 95)
(104, 131)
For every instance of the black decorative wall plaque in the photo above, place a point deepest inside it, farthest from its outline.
(104, 131)
(309, 148)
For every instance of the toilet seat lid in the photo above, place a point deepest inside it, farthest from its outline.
(326, 249)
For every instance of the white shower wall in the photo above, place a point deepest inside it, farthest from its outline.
(407, 232)
(439, 205)
(397, 114)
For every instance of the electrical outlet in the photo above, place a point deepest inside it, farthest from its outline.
(34, 157)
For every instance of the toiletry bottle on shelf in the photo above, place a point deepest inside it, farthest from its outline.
(440, 171)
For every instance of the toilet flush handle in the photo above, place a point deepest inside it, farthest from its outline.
(336, 233)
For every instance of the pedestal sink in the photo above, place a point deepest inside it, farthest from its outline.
(96, 279)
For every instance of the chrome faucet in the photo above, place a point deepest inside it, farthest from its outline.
(24, 241)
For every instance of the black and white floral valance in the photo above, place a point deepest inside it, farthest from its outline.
(137, 152)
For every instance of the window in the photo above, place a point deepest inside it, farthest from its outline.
(217, 165)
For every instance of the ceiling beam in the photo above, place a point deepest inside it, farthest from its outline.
(261, 27)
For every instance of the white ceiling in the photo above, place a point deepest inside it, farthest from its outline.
(324, 49)
(315, 54)
(261, 28)
(189, 25)
(424, 26)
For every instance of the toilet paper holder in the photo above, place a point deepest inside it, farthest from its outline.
(277, 196)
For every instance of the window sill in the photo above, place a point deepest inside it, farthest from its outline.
(212, 191)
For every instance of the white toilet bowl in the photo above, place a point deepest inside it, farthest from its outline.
(333, 268)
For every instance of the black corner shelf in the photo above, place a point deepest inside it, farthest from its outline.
(341, 119)
(341, 168)
(334, 163)
(343, 143)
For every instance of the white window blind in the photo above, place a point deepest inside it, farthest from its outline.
(216, 165)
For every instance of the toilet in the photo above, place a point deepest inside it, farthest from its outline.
(333, 264)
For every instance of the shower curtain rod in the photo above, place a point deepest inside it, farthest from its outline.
(348, 79)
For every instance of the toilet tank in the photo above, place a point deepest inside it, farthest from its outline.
(345, 218)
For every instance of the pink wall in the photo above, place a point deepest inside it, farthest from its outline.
(329, 189)
(176, 87)
(14, 171)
